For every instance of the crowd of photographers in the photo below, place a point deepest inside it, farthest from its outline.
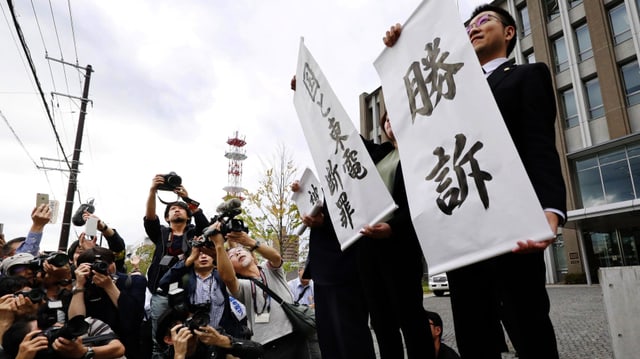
(197, 299)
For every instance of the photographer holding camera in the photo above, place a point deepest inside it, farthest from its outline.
(270, 324)
(171, 242)
(114, 241)
(204, 291)
(17, 300)
(81, 338)
(115, 298)
(185, 341)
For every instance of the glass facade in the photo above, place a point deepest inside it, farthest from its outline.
(560, 256)
(583, 41)
(618, 247)
(631, 78)
(574, 3)
(609, 177)
(531, 58)
(552, 9)
(594, 98)
(619, 24)
(525, 24)
(560, 53)
(570, 111)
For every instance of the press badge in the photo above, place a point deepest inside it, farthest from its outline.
(262, 318)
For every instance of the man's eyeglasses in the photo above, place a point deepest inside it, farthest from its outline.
(481, 21)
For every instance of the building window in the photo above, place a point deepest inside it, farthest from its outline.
(531, 57)
(619, 24)
(594, 97)
(560, 52)
(584, 43)
(631, 79)
(574, 3)
(569, 107)
(553, 11)
(525, 24)
(610, 176)
(633, 152)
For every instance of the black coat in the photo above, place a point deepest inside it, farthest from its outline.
(529, 111)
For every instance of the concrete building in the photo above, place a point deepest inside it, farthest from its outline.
(592, 48)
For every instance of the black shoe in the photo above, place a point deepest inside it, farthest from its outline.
(77, 217)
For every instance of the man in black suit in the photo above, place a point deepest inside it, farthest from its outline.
(511, 287)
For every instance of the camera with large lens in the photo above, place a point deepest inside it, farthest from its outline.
(35, 295)
(199, 319)
(73, 328)
(179, 301)
(171, 182)
(227, 211)
(56, 259)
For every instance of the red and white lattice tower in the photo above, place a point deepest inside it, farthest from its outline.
(236, 154)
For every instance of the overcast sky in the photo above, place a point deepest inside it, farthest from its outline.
(172, 81)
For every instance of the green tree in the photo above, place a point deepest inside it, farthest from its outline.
(271, 213)
(145, 252)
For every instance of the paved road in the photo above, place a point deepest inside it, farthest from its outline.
(577, 312)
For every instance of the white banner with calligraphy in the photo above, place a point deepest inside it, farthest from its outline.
(309, 198)
(469, 195)
(354, 192)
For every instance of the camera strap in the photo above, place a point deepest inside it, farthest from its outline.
(188, 200)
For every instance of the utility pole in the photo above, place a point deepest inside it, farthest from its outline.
(73, 175)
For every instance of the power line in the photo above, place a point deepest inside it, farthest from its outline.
(55, 28)
(73, 35)
(35, 75)
(18, 138)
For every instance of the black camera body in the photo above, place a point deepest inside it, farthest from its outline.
(100, 266)
(171, 182)
(227, 211)
(198, 319)
(35, 295)
(77, 218)
(56, 259)
(73, 328)
(179, 301)
(202, 242)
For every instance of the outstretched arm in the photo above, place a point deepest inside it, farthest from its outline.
(151, 200)
(269, 253)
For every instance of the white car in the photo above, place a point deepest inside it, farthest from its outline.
(439, 284)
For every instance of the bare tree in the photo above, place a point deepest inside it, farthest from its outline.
(272, 214)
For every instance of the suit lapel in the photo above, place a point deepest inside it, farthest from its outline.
(500, 73)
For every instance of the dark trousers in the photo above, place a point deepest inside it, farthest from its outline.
(342, 322)
(508, 288)
(392, 283)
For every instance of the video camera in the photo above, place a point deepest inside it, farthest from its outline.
(56, 259)
(171, 182)
(226, 213)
